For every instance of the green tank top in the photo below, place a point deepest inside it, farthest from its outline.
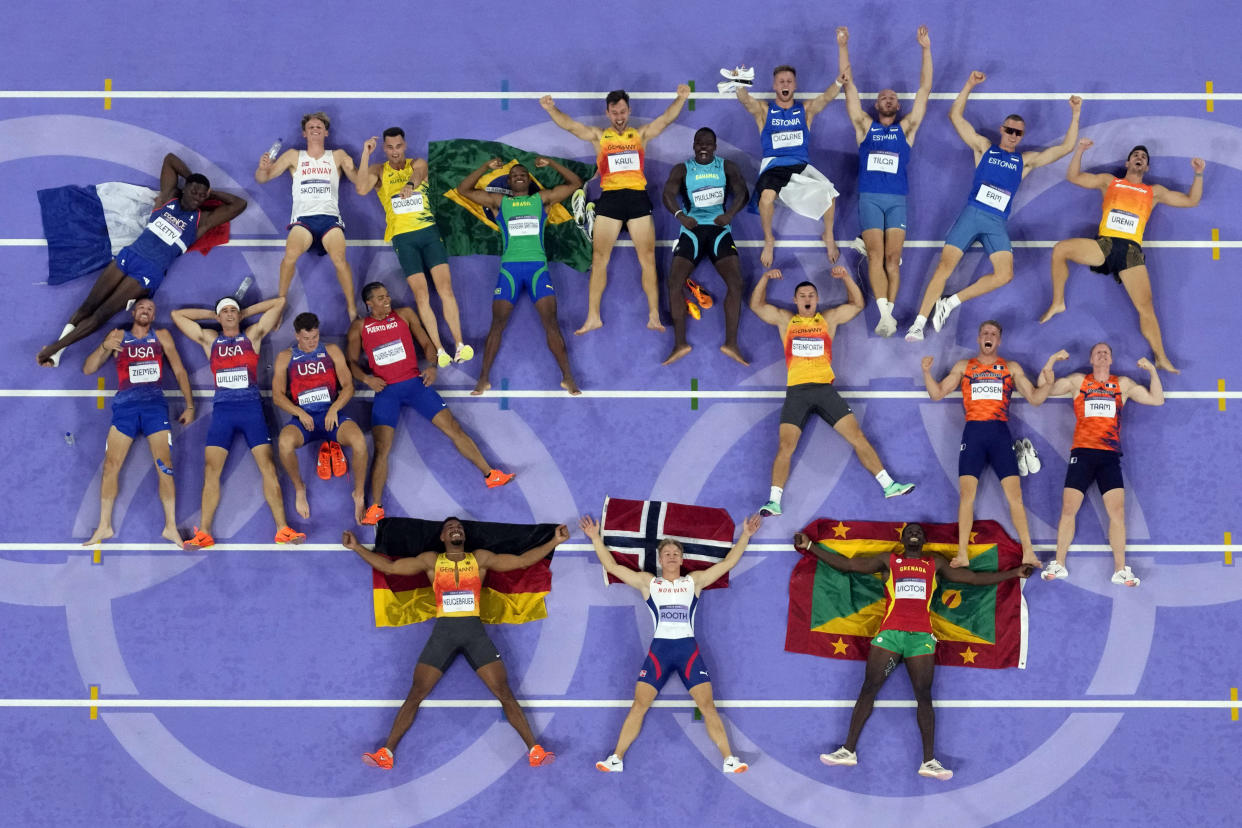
(521, 224)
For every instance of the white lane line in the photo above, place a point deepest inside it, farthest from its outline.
(622, 393)
(112, 548)
(1055, 704)
(801, 244)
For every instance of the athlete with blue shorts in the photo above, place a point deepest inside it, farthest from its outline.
(987, 381)
(139, 407)
(234, 359)
(178, 219)
(523, 261)
(883, 184)
(386, 336)
(999, 170)
(672, 599)
(313, 370)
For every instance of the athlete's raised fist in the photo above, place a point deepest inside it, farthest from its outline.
(976, 78)
(1198, 165)
(1085, 144)
(928, 362)
(1146, 365)
(1075, 102)
(924, 37)
(547, 103)
(683, 91)
(843, 35)
(369, 146)
(840, 272)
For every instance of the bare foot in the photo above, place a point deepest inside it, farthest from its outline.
(653, 323)
(1052, 311)
(360, 508)
(733, 353)
(1163, 364)
(591, 323)
(170, 533)
(300, 504)
(101, 534)
(766, 256)
(572, 387)
(677, 353)
(482, 386)
(959, 561)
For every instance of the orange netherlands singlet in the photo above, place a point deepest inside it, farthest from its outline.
(458, 586)
(986, 388)
(808, 350)
(1126, 210)
(620, 161)
(1097, 411)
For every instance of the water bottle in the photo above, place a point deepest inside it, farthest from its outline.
(69, 438)
(245, 285)
(274, 150)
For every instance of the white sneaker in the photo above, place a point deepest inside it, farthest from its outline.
(915, 334)
(841, 756)
(1032, 457)
(887, 326)
(940, 313)
(1125, 577)
(858, 245)
(1056, 571)
(734, 765)
(577, 202)
(725, 87)
(1019, 453)
(745, 74)
(612, 764)
(934, 770)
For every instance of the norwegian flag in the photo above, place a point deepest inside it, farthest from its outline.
(633, 528)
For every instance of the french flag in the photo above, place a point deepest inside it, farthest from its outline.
(632, 529)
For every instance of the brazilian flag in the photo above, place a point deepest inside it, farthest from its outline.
(836, 614)
(468, 229)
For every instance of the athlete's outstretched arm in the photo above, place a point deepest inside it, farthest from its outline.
(1132, 390)
(401, 566)
(655, 127)
(671, 194)
(639, 580)
(507, 563)
(1022, 383)
(557, 194)
(957, 116)
(366, 182)
(99, 357)
(231, 207)
(938, 390)
(171, 171)
(187, 319)
(918, 110)
(345, 163)
(182, 376)
(1075, 175)
(969, 576)
(759, 302)
(755, 107)
(865, 564)
(1031, 160)
(466, 189)
(853, 106)
(706, 577)
(353, 353)
(816, 105)
(575, 128)
(1163, 195)
(269, 169)
(270, 310)
(853, 305)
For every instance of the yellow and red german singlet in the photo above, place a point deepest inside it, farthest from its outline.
(808, 350)
(458, 586)
(986, 389)
(620, 160)
(908, 594)
(1097, 411)
(1127, 206)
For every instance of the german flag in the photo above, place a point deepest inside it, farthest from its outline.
(836, 614)
(508, 597)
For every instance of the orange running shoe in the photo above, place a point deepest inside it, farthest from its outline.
(701, 296)
(338, 459)
(496, 478)
(201, 540)
(693, 310)
(538, 756)
(375, 513)
(382, 758)
(289, 535)
(324, 466)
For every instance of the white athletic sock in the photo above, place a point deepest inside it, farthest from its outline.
(919, 322)
(885, 306)
(953, 301)
(883, 479)
(68, 329)
(775, 494)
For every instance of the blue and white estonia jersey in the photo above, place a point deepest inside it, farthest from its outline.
(882, 158)
(996, 181)
(169, 231)
(672, 605)
(785, 137)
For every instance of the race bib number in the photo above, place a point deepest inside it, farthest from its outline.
(807, 347)
(389, 353)
(314, 396)
(885, 162)
(233, 378)
(458, 601)
(167, 232)
(708, 197)
(675, 614)
(624, 162)
(987, 390)
(413, 204)
(1100, 408)
(993, 196)
(524, 226)
(1122, 222)
(140, 372)
(911, 588)
(784, 140)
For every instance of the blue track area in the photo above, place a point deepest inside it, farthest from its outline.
(256, 674)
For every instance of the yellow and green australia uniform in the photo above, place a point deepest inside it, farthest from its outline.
(410, 223)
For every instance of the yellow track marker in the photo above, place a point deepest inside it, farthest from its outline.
(95, 697)
(1233, 711)
(1220, 387)
(1210, 102)
(1215, 238)
(1228, 551)
(108, 88)
(97, 555)
(99, 401)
